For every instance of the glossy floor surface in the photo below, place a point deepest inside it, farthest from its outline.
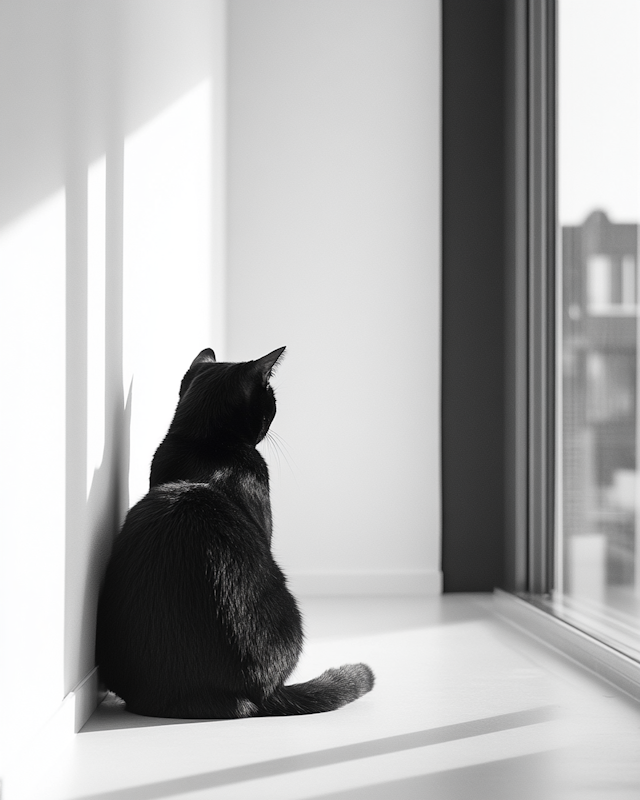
(463, 707)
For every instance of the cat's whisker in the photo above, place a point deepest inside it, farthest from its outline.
(277, 450)
(284, 447)
(280, 448)
(279, 439)
(271, 447)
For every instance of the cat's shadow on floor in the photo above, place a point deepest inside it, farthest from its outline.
(112, 715)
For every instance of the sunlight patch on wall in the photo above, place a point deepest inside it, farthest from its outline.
(170, 234)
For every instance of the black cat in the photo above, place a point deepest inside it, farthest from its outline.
(195, 619)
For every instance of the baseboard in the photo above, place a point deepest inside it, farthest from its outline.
(364, 582)
(86, 696)
(47, 742)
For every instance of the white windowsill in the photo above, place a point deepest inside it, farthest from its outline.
(602, 659)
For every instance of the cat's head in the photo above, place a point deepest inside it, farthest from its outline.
(225, 401)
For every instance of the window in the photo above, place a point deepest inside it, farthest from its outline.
(579, 549)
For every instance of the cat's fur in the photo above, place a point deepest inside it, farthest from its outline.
(195, 619)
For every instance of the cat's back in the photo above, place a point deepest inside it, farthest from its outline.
(180, 550)
(180, 517)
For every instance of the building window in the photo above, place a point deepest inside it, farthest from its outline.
(608, 275)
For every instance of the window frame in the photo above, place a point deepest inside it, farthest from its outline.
(534, 568)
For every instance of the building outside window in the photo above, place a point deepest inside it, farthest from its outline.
(599, 431)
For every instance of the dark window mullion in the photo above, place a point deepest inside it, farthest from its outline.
(541, 300)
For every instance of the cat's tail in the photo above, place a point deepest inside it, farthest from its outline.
(332, 689)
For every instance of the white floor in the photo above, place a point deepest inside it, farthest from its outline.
(463, 707)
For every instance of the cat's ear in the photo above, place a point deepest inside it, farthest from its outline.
(267, 364)
(206, 356)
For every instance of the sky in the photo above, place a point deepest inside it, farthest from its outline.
(598, 109)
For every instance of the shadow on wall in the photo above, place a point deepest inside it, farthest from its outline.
(76, 76)
(97, 417)
(77, 80)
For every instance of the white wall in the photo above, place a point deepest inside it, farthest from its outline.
(334, 251)
(111, 262)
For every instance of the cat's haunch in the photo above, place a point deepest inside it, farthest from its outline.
(195, 619)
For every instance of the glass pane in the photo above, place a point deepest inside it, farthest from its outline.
(598, 549)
